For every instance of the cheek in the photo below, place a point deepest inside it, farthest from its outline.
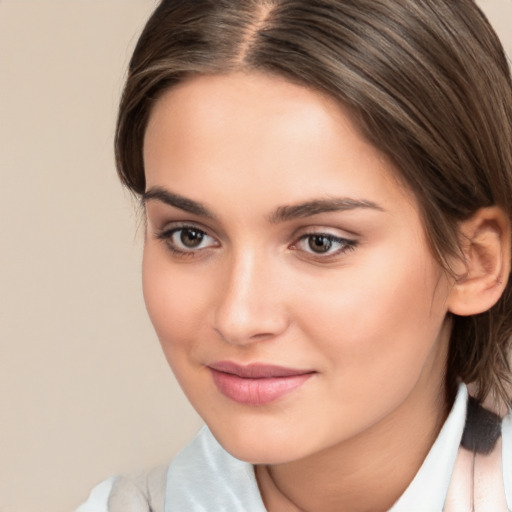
(174, 301)
(383, 315)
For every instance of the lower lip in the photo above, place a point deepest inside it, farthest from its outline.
(256, 391)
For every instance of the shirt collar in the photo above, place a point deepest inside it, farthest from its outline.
(427, 492)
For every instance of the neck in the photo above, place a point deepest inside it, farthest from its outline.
(367, 473)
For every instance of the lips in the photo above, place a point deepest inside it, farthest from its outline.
(256, 384)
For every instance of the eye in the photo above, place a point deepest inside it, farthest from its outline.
(189, 238)
(319, 243)
(186, 239)
(324, 244)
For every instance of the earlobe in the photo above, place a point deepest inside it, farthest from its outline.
(482, 271)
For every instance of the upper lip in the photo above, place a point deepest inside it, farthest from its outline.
(256, 370)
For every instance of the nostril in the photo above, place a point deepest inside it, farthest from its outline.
(248, 308)
(262, 336)
(242, 333)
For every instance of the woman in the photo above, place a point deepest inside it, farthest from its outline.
(327, 189)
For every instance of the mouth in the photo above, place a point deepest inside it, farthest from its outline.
(256, 384)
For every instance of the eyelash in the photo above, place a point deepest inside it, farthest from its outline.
(167, 236)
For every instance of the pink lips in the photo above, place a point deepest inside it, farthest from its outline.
(256, 384)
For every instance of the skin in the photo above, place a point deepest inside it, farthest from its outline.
(368, 317)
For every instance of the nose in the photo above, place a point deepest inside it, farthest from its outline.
(249, 305)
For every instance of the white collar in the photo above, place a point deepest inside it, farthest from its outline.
(427, 492)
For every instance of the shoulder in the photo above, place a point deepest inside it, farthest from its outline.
(141, 492)
(202, 477)
(490, 437)
(98, 498)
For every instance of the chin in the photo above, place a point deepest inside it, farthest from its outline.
(259, 442)
(260, 452)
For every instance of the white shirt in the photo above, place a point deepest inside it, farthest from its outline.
(205, 478)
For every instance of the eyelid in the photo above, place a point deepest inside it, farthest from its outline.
(328, 231)
(169, 226)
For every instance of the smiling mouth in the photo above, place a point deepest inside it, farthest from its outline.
(256, 384)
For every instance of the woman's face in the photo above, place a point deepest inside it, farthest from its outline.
(286, 270)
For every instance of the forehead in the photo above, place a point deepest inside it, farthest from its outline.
(246, 132)
(207, 107)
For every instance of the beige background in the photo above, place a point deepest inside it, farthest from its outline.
(84, 390)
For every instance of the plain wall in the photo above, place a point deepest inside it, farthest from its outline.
(84, 389)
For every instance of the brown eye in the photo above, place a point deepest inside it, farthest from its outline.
(324, 245)
(191, 238)
(319, 243)
(187, 240)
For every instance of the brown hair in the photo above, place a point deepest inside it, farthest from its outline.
(427, 80)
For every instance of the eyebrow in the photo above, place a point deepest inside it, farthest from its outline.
(317, 206)
(281, 214)
(180, 202)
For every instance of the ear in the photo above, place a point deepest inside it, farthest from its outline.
(483, 269)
